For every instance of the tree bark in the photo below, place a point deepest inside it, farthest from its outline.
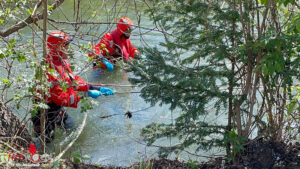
(44, 111)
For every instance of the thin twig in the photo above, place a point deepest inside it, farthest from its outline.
(104, 23)
(111, 85)
(15, 150)
(27, 21)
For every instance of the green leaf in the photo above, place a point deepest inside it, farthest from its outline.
(102, 45)
(264, 2)
(64, 86)
(286, 2)
(19, 78)
(6, 81)
(93, 14)
(270, 68)
(50, 7)
(233, 134)
(30, 11)
(298, 25)
(76, 157)
(149, 165)
(51, 70)
(12, 44)
(33, 112)
(1, 54)
(21, 57)
(72, 68)
(265, 70)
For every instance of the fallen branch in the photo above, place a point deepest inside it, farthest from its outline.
(78, 131)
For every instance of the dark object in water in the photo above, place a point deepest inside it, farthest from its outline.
(128, 114)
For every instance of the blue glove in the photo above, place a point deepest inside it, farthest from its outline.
(94, 93)
(106, 91)
(109, 66)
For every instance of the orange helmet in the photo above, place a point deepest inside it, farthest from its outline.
(57, 40)
(124, 24)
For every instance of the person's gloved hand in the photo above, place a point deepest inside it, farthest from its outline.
(106, 91)
(94, 93)
(109, 66)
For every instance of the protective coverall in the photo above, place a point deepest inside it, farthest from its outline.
(115, 45)
(64, 85)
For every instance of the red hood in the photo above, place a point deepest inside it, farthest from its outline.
(124, 24)
(56, 42)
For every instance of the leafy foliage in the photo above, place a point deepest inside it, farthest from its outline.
(213, 60)
(12, 9)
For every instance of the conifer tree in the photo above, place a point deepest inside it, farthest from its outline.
(238, 58)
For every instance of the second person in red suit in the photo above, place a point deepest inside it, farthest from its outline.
(114, 46)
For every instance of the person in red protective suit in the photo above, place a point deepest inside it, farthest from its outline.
(64, 85)
(115, 46)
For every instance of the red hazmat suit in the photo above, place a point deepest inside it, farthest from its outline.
(64, 85)
(116, 43)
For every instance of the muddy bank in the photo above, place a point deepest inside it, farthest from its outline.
(257, 155)
(269, 154)
(153, 164)
(12, 130)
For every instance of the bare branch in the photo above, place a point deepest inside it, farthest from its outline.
(297, 5)
(31, 19)
(105, 23)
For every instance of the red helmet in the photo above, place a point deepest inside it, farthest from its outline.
(58, 39)
(124, 24)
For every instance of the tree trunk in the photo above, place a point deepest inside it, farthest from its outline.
(44, 111)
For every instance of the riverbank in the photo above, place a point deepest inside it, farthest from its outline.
(260, 153)
(257, 155)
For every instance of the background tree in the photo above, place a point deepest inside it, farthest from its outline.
(235, 58)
